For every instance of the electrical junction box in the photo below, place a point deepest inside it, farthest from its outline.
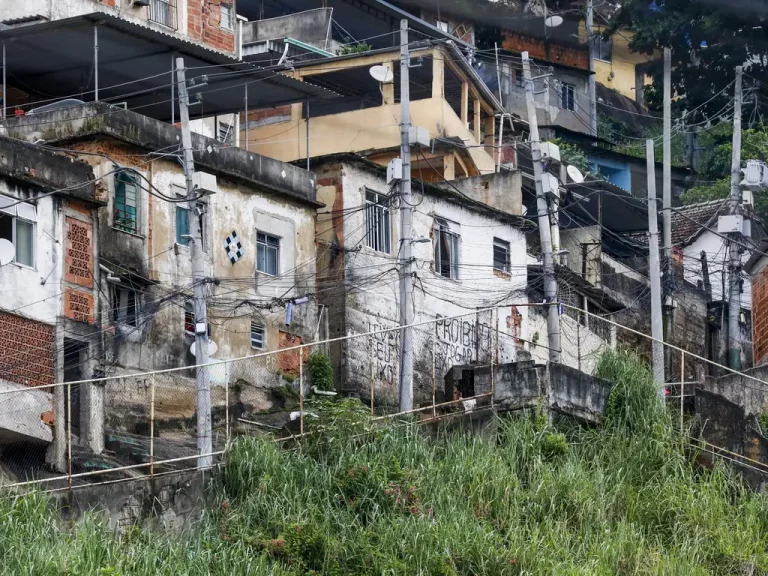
(755, 175)
(395, 170)
(418, 136)
(747, 198)
(730, 224)
(550, 186)
(204, 183)
(550, 152)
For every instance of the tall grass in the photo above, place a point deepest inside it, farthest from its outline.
(622, 500)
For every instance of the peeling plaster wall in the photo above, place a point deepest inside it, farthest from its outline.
(370, 294)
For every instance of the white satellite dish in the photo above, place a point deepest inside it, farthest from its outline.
(575, 174)
(7, 252)
(381, 73)
(553, 21)
(212, 348)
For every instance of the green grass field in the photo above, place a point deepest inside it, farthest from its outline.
(538, 500)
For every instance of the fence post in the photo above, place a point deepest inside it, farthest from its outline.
(434, 376)
(498, 354)
(69, 436)
(226, 397)
(152, 427)
(682, 387)
(491, 353)
(301, 390)
(370, 361)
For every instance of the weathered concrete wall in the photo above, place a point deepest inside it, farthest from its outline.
(169, 502)
(311, 27)
(21, 415)
(751, 395)
(502, 190)
(576, 393)
(716, 250)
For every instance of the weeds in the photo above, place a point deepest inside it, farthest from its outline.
(536, 501)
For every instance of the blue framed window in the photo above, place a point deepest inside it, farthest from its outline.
(127, 198)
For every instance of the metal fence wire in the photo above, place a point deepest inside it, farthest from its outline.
(128, 426)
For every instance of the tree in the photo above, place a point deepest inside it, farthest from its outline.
(715, 162)
(708, 38)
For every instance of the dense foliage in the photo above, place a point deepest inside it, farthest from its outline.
(366, 500)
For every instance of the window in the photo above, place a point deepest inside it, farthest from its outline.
(446, 250)
(125, 306)
(17, 225)
(182, 223)
(226, 133)
(442, 26)
(189, 319)
(377, 222)
(127, 199)
(501, 256)
(567, 97)
(163, 12)
(257, 335)
(267, 254)
(519, 79)
(602, 48)
(227, 17)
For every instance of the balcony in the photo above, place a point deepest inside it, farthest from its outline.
(164, 12)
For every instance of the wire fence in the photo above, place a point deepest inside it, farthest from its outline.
(134, 426)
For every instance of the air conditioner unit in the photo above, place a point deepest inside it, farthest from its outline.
(550, 186)
(204, 183)
(550, 152)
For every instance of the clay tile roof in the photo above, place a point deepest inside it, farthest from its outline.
(689, 221)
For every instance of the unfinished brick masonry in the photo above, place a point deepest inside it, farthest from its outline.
(204, 24)
(26, 354)
(760, 316)
(542, 50)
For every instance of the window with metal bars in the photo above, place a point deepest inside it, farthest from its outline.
(163, 12)
(568, 97)
(377, 222)
(446, 250)
(226, 133)
(501, 256)
(127, 198)
(267, 254)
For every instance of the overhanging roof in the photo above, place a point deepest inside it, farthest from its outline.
(56, 60)
(612, 206)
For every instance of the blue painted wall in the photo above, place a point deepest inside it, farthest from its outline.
(615, 172)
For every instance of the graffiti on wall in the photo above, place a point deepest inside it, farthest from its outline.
(461, 341)
(384, 353)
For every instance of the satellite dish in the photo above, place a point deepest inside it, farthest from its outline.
(7, 252)
(212, 348)
(553, 21)
(575, 174)
(381, 73)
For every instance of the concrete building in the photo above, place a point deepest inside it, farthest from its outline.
(265, 205)
(470, 251)
(49, 312)
(448, 99)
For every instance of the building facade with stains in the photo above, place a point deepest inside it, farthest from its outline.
(49, 313)
(469, 248)
(259, 249)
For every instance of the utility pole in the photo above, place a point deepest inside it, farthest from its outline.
(734, 265)
(667, 200)
(654, 267)
(202, 377)
(592, 94)
(542, 209)
(406, 233)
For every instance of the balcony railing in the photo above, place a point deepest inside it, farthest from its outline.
(163, 12)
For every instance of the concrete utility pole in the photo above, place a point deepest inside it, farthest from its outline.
(406, 233)
(667, 197)
(657, 327)
(542, 208)
(203, 382)
(592, 94)
(734, 265)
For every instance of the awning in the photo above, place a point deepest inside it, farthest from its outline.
(56, 60)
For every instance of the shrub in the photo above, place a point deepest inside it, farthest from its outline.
(320, 370)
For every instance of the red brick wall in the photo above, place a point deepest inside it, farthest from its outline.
(538, 49)
(27, 351)
(79, 253)
(78, 305)
(203, 24)
(760, 317)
